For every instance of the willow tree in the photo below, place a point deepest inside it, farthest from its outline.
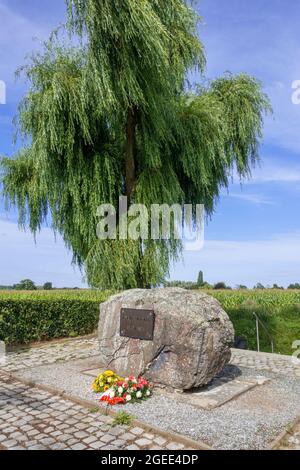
(116, 116)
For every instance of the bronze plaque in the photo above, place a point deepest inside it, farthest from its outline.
(137, 323)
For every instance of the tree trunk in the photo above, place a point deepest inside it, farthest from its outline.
(130, 151)
(131, 148)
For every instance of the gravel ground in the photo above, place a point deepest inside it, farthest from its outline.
(251, 421)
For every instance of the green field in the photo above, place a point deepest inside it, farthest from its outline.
(279, 310)
(41, 315)
(57, 294)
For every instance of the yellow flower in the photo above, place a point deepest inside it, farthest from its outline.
(109, 373)
(105, 380)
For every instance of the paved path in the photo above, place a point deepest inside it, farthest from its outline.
(50, 353)
(275, 363)
(34, 419)
(292, 440)
(88, 347)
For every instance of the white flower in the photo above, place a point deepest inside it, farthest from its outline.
(120, 390)
(127, 379)
(112, 394)
(134, 381)
(139, 394)
(148, 393)
(128, 397)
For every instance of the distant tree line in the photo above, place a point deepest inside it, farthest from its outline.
(200, 284)
(194, 285)
(28, 284)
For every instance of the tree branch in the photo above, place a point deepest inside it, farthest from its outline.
(131, 124)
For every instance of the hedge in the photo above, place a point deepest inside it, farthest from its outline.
(25, 318)
(43, 315)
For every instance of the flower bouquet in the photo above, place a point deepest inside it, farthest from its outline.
(127, 390)
(105, 381)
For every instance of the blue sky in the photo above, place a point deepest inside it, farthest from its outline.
(254, 235)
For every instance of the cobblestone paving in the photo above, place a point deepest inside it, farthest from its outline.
(50, 354)
(33, 419)
(281, 365)
(88, 347)
(292, 440)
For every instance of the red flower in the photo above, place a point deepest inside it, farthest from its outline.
(105, 398)
(143, 383)
(113, 401)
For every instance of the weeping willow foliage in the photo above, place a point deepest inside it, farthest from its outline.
(114, 116)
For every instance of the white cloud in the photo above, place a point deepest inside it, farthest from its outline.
(17, 35)
(236, 262)
(258, 199)
(275, 260)
(272, 170)
(47, 260)
(264, 42)
(277, 173)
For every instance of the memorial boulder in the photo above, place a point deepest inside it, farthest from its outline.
(176, 338)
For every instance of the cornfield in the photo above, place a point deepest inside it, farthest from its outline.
(279, 309)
